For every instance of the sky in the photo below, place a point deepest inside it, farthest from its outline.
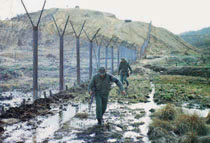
(176, 16)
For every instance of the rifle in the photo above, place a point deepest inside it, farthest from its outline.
(91, 99)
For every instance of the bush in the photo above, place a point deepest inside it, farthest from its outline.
(167, 113)
(190, 137)
(190, 123)
(167, 125)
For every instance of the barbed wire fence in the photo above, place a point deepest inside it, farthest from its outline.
(84, 58)
(146, 42)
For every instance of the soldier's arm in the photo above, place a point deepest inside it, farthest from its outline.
(117, 81)
(119, 68)
(130, 68)
(91, 85)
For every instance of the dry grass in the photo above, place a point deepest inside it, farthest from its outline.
(186, 123)
(208, 118)
(81, 115)
(188, 128)
(190, 137)
(168, 112)
(163, 124)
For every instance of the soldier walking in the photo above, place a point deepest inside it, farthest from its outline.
(100, 87)
(123, 71)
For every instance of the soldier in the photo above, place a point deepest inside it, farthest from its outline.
(100, 86)
(123, 70)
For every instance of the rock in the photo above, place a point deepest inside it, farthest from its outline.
(147, 96)
(1, 129)
(152, 110)
(10, 121)
(191, 97)
(156, 100)
(137, 124)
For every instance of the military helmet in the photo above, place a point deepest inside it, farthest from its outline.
(123, 59)
(102, 71)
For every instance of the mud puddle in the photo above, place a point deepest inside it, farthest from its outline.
(42, 127)
(15, 98)
(195, 109)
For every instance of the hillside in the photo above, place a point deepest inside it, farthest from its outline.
(200, 38)
(18, 30)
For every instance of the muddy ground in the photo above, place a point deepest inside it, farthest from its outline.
(64, 117)
(118, 127)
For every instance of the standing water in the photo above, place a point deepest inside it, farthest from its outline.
(147, 107)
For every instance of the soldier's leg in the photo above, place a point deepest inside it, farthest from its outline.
(98, 106)
(104, 104)
(121, 78)
(125, 78)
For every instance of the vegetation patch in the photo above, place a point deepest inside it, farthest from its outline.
(180, 89)
(167, 113)
(177, 126)
(137, 91)
(81, 115)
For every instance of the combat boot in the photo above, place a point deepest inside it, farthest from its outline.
(99, 121)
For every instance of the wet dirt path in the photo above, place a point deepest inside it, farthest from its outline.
(124, 123)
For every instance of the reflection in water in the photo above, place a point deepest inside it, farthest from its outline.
(146, 119)
(33, 131)
(201, 113)
(61, 116)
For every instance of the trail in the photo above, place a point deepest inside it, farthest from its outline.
(123, 123)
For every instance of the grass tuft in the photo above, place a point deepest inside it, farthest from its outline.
(167, 113)
(167, 125)
(81, 115)
(208, 118)
(190, 137)
(187, 123)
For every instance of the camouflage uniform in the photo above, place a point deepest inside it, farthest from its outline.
(123, 71)
(101, 87)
